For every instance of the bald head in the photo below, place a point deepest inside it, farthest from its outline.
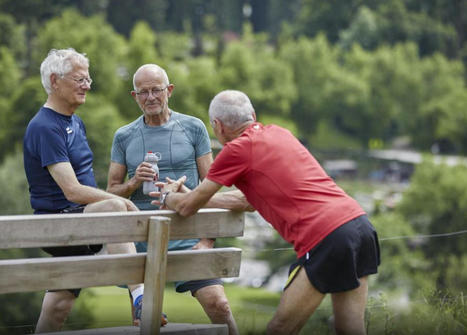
(150, 68)
(232, 108)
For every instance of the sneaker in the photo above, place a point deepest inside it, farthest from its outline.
(139, 310)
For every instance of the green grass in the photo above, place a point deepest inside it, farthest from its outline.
(252, 308)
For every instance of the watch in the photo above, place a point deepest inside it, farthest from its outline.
(163, 199)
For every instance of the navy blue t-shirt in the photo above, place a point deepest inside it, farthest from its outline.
(52, 138)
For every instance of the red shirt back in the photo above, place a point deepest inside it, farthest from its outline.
(285, 183)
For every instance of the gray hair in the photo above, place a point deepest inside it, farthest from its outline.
(60, 62)
(155, 68)
(232, 108)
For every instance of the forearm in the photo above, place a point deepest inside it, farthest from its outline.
(179, 203)
(82, 194)
(234, 200)
(124, 190)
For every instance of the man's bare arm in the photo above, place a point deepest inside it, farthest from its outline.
(74, 191)
(234, 200)
(187, 204)
(116, 181)
(204, 163)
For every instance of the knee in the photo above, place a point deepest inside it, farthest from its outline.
(115, 205)
(219, 306)
(59, 311)
(222, 306)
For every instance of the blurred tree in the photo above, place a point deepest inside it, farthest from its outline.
(441, 81)
(404, 268)
(13, 179)
(454, 120)
(93, 36)
(13, 37)
(364, 30)
(196, 82)
(328, 17)
(311, 61)
(25, 102)
(101, 119)
(9, 81)
(388, 89)
(173, 46)
(452, 13)
(250, 65)
(141, 50)
(123, 15)
(436, 203)
(397, 24)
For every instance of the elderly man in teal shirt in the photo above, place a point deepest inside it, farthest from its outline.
(185, 150)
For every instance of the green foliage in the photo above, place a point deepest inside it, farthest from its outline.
(311, 62)
(403, 267)
(431, 312)
(12, 36)
(435, 203)
(9, 81)
(24, 103)
(13, 179)
(454, 119)
(196, 83)
(93, 36)
(141, 50)
(101, 119)
(174, 46)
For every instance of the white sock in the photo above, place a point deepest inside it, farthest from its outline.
(137, 292)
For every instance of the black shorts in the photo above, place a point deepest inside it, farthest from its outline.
(195, 285)
(350, 252)
(75, 250)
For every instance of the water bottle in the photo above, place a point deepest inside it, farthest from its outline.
(152, 158)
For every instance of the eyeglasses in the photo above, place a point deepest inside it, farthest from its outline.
(154, 91)
(81, 81)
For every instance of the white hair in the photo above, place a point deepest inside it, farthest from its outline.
(60, 62)
(155, 68)
(232, 108)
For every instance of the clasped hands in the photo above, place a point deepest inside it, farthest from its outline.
(169, 186)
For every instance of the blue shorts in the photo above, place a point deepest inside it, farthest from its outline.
(348, 253)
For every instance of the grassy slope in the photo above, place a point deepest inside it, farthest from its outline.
(252, 308)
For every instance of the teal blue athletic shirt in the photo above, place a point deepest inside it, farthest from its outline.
(180, 142)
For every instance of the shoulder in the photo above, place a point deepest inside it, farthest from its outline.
(128, 129)
(42, 122)
(188, 120)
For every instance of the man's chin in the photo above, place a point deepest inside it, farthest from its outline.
(153, 111)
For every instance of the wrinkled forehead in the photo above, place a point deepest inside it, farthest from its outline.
(79, 69)
(149, 78)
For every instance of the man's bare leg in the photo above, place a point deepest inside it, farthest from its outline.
(297, 304)
(349, 309)
(215, 304)
(56, 307)
(115, 205)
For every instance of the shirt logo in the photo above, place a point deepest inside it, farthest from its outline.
(69, 130)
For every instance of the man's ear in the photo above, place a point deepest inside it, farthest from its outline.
(133, 94)
(170, 88)
(53, 80)
(254, 115)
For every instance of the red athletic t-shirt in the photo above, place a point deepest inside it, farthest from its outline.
(285, 183)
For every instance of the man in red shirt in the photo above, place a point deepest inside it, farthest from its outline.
(337, 247)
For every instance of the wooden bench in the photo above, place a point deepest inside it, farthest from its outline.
(153, 268)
